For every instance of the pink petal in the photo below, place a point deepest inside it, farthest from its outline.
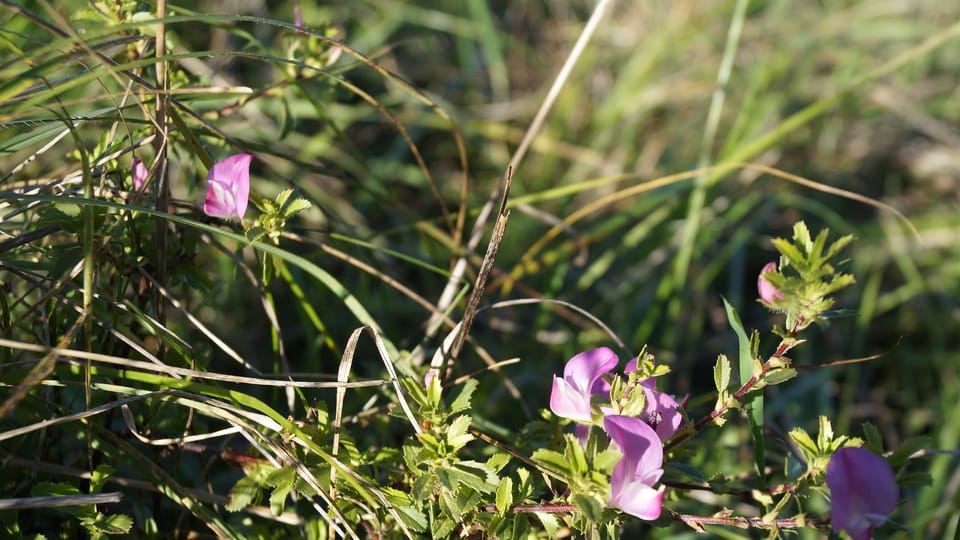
(569, 401)
(640, 500)
(582, 378)
(139, 173)
(228, 187)
(768, 293)
(863, 491)
(631, 484)
(587, 367)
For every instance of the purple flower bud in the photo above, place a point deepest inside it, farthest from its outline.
(139, 174)
(297, 16)
(582, 378)
(863, 491)
(228, 187)
(768, 293)
(631, 484)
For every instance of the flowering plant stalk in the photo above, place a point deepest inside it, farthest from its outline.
(615, 453)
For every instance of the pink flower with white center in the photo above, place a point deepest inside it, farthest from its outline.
(631, 484)
(582, 378)
(138, 173)
(768, 293)
(863, 491)
(228, 187)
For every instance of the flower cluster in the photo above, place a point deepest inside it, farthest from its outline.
(583, 394)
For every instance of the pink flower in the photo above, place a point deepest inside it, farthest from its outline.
(582, 378)
(228, 187)
(661, 412)
(631, 484)
(863, 491)
(768, 293)
(139, 174)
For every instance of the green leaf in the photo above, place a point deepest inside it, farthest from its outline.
(99, 477)
(295, 206)
(551, 525)
(778, 376)
(590, 507)
(721, 374)
(457, 435)
(790, 252)
(462, 401)
(498, 461)
(49, 489)
(412, 518)
(552, 460)
(805, 443)
(754, 405)
(448, 504)
(282, 197)
(504, 499)
(442, 526)
(873, 437)
(802, 235)
(605, 461)
(576, 456)
(283, 479)
(243, 494)
(108, 524)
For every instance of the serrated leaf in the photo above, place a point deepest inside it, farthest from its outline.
(462, 401)
(282, 197)
(243, 493)
(442, 527)
(825, 434)
(283, 479)
(789, 251)
(552, 460)
(802, 235)
(448, 505)
(504, 499)
(576, 456)
(295, 206)
(469, 474)
(906, 449)
(804, 442)
(874, 441)
(778, 376)
(605, 461)
(498, 461)
(721, 373)
(457, 435)
(551, 525)
(838, 245)
(412, 518)
(424, 486)
(108, 524)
